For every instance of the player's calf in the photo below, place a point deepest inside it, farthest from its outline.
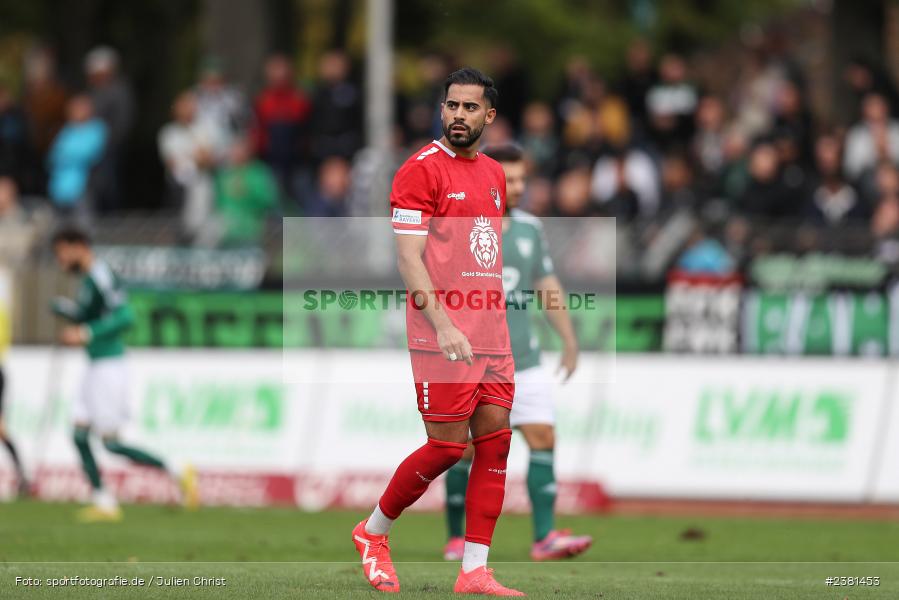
(415, 474)
(486, 485)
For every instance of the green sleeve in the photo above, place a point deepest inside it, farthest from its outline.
(67, 309)
(75, 310)
(116, 321)
(543, 264)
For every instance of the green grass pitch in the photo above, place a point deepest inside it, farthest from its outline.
(281, 553)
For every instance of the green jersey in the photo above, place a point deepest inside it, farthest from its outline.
(102, 307)
(525, 261)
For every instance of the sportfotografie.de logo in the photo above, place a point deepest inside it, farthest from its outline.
(385, 299)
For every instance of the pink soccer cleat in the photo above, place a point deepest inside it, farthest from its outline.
(481, 581)
(560, 544)
(376, 563)
(454, 548)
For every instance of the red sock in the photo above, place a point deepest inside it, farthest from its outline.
(415, 473)
(486, 485)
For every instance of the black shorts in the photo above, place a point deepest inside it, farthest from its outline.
(1, 391)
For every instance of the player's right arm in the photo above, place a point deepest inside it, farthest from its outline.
(67, 309)
(413, 201)
(409, 250)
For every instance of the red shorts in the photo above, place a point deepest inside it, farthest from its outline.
(451, 390)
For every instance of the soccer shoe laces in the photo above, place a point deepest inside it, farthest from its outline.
(492, 584)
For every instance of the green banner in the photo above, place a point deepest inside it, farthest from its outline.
(835, 323)
(180, 319)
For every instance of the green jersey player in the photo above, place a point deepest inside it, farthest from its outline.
(527, 274)
(100, 317)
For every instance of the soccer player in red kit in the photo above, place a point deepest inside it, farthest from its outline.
(447, 206)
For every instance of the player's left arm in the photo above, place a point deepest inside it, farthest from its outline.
(116, 321)
(549, 288)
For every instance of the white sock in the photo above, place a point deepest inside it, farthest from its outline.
(104, 500)
(378, 523)
(475, 556)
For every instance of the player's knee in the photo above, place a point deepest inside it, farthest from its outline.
(544, 440)
(469, 452)
(112, 444)
(495, 444)
(447, 453)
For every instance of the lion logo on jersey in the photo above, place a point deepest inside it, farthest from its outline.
(484, 243)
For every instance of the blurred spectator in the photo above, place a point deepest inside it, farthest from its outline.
(793, 119)
(765, 195)
(77, 149)
(420, 110)
(881, 183)
(10, 211)
(577, 77)
(187, 147)
(331, 194)
(794, 173)
(708, 145)
(832, 200)
(220, 106)
(874, 139)
(113, 103)
(755, 93)
(885, 222)
(281, 111)
(44, 99)
(573, 193)
(336, 109)
(500, 132)
(14, 152)
(538, 138)
(538, 196)
(670, 104)
(511, 78)
(704, 255)
(885, 228)
(626, 183)
(677, 184)
(864, 77)
(17, 230)
(245, 194)
(638, 79)
(734, 177)
(595, 123)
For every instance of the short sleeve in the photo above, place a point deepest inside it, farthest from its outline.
(412, 199)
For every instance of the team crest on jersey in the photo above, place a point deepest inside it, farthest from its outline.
(494, 193)
(484, 243)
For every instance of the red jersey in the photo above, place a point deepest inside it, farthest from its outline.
(458, 203)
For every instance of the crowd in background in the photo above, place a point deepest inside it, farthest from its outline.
(230, 162)
(650, 147)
